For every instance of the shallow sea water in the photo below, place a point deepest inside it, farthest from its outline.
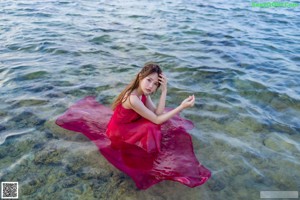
(242, 64)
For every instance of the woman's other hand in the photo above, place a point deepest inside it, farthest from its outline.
(163, 82)
(188, 102)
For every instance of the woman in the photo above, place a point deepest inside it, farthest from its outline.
(144, 141)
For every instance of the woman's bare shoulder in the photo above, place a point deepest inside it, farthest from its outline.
(128, 99)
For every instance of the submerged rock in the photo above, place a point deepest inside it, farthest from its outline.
(2, 128)
(54, 131)
(3, 152)
(69, 182)
(27, 190)
(216, 184)
(49, 156)
(278, 144)
(53, 188)
(27, 119)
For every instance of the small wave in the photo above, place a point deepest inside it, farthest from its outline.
(29, 102)
(35, 75)
(280, 143)
(235, 142)
(11, 133)
(14, 165)
(101, 39)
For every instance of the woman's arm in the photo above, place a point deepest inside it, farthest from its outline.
(162, 100)
(161, 104)
(149, 104)
(145, 112)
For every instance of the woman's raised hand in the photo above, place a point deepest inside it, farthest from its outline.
(188, 102)
(163, 82)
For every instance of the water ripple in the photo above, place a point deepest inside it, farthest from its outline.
(6, 134)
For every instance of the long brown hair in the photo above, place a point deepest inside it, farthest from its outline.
(148, 69)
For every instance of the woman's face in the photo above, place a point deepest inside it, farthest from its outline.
(149, 84)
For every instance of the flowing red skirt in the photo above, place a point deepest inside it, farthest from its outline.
(134, 154)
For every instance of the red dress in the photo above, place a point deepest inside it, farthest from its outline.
(147, 152)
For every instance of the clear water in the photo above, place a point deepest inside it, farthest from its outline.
(242, 64)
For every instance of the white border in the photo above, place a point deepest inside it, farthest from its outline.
(279, 194)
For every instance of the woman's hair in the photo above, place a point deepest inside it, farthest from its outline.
(148, 69)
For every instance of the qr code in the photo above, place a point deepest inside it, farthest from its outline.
(9, 190)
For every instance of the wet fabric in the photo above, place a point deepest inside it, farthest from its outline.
(147, 152)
